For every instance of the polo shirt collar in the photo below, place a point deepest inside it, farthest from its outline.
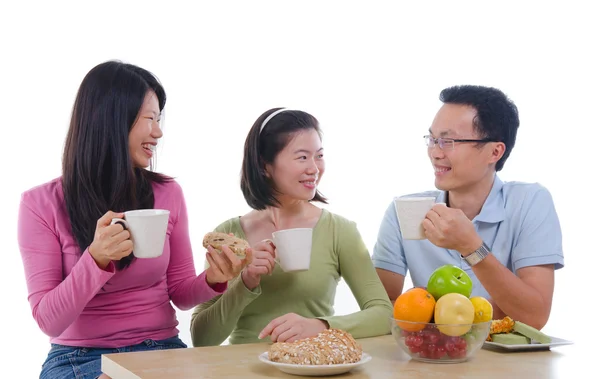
(493, 208)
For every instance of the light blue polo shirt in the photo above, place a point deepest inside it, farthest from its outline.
(518, 222)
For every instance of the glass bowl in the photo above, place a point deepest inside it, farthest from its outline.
(439, 343)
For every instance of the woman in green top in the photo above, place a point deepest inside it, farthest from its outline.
(283, 164)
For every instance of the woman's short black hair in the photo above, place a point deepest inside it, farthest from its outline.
(262, 146)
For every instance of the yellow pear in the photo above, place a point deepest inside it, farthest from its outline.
(454, 314)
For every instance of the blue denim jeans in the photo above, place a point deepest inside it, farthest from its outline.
(70, 362)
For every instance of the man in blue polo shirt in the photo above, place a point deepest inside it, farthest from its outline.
(505, 235)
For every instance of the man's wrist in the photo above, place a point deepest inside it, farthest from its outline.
(471, 247)
(478, 255)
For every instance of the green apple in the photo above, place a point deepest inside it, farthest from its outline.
(449, 279)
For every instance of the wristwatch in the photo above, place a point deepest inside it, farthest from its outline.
(478, 255)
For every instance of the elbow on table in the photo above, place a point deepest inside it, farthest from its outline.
(204, 334)
(196, 330)
(537, 322)
(386, 313)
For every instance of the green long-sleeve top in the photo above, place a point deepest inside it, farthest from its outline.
(338, 251)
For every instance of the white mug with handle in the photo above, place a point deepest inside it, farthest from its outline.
(411, 212)
(294, 248)
(148, 229)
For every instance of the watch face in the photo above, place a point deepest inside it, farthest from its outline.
(478, 255)
(473, 258)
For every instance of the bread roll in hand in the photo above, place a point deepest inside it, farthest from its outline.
(217, 240)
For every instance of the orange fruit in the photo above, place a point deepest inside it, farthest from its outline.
(415, 305)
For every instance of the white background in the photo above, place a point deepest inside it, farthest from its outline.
(370, 72)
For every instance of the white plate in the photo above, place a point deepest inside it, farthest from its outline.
(532, 346)
(314, 370)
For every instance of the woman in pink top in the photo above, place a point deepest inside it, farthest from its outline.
(86, 289)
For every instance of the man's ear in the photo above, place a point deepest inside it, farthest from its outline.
(498, 151)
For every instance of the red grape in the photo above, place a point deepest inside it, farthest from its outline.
(432, 338)
(460, 343)
(429, 343)
(440, 352)
(457, 353)
(417, 341)
(424, 354)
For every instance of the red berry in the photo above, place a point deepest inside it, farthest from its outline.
(440, 352)
(432, 338)
(453, 353)
(417, 341)
(461, 343)
(431, 349)
(449, 345)
(426, 353)
(457, 353)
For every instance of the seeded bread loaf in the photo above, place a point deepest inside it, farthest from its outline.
(217, 240)
(330, 347)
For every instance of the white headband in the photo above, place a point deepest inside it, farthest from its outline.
(270, 117)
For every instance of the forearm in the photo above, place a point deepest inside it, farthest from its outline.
(213, 321)
(357, 270)
(194, 290)
(58, 308)
(186, 289)
(369, 322)
(511, 294)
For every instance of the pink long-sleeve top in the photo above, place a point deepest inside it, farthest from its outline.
(77, 303)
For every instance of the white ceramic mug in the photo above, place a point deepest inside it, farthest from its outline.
(148, 228)
(294, 247)
(411, 212)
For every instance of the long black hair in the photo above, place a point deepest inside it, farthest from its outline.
(98, 171)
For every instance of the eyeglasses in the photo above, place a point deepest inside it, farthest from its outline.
(448, 143)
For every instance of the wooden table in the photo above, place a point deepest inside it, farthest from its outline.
(241, 361)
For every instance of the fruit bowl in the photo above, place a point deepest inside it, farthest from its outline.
(439, 343)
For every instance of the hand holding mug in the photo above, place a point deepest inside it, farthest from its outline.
(450, 228)
(262, 263)
(111, 241)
